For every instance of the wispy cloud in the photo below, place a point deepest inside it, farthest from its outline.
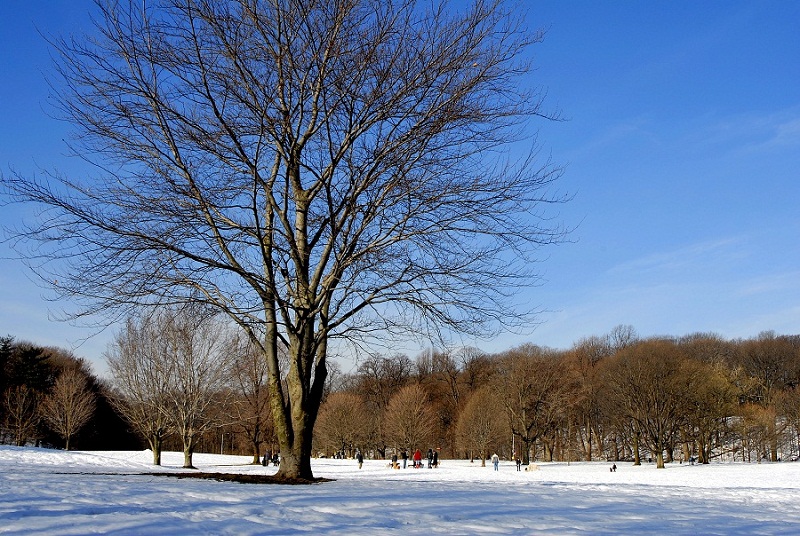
(754, 132)
(702, 253)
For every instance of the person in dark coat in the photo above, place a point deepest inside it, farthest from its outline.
(404, 455)
(359, 458)
(430, 458)
(436, 458)
(519, 464)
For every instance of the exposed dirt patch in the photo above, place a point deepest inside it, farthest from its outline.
(245, 479)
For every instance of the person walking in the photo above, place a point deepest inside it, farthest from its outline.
(436, 458)
(404, 455)
(430, 458)
(359, 458)
(495, 461)
(519, 464)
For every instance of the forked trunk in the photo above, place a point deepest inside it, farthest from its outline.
(295, 416)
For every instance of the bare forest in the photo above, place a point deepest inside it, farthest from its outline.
(615, 397)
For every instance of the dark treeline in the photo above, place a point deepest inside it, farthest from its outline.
(51, 398)
(611, 397)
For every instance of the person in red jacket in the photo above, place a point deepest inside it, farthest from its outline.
(417, 459)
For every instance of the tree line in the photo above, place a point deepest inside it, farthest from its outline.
(613, 397)
(184, 380)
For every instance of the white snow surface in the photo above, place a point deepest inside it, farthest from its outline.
(65, 493)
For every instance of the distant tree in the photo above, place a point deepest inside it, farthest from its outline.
(708, 400)
(440, 376)
(482, 425)
(534, 393)
(643, 383)
(250, 398)
(21, 405)
(313, 170)
(198, 354)
(69, 405)
(378, 379)
(409, 422)
(585, 362)
(343, 424)
(140, 379)
(774, 361)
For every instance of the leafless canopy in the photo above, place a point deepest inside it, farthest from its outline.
(312, 168)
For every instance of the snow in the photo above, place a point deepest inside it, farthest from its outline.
(65, 493)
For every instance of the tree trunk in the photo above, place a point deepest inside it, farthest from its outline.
(155, 446)
(188, 450)
(637, 459)
(660, 460)
(295, 418)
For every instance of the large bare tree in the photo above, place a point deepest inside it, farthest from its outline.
(311, 168)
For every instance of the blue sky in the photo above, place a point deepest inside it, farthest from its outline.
(682, 149)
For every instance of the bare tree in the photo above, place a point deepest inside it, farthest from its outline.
(140, 375)
(343, 423)
(379, 378)
(21, 406)
(536, 392)
(584, 361)
(409, 420)
(313, 169)
(482, 426)
(69, 405)
(250, 406)
(644, 384)
(196, 350)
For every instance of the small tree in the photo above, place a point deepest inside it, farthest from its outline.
(197, 352)
(21, 413)
(69, 405)
(250, 404)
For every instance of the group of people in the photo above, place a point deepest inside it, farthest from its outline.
(416, 459)
(432, 457)
(271, 457)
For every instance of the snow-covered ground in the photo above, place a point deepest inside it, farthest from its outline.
(56, 492)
